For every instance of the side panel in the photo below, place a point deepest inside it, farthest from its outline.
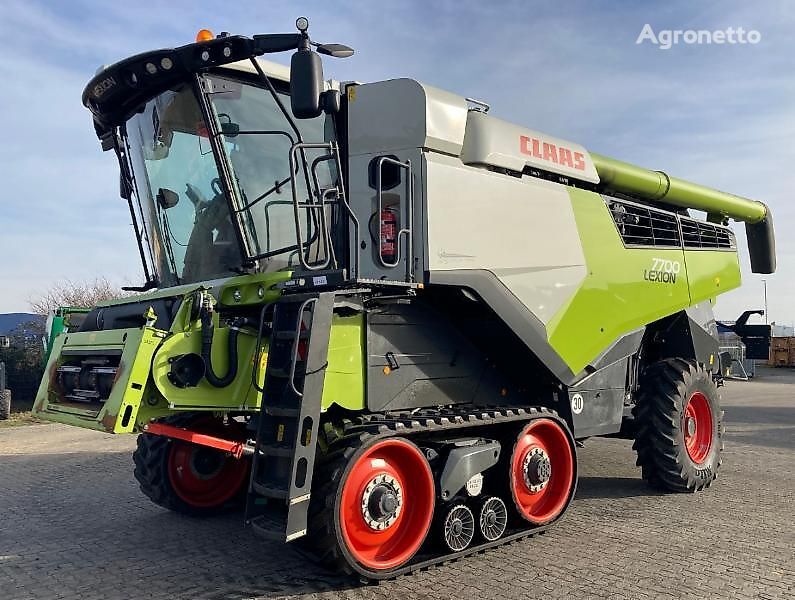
(364, 202)
(622, 290)
(712, 272)
(522, 230)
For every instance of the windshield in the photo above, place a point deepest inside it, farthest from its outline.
(185, 212)
(258, 139)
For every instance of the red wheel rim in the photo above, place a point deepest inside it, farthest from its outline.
(542, 502)
(408, 470)
(697, 427)
(203, 477)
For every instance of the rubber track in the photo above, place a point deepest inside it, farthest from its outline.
(372, 427)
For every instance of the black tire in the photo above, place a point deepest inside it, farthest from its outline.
(665, 391)
(5, 404)
(151, 459)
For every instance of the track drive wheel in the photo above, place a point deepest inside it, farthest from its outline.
(187, 478)
(543, 471)
(679, 426)
(376, 506)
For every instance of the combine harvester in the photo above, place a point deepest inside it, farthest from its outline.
(379, 318)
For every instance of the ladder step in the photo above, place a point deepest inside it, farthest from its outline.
(269, 492)
(268, 527)
(280, 411)
(275, 450)
(289, 335)
(283, 373)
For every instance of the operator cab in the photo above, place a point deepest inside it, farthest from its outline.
(227, 169)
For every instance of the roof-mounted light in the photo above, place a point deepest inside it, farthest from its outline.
(204, 35)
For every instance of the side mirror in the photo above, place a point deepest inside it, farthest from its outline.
(167, 198)
(306, 84)
(125, 189)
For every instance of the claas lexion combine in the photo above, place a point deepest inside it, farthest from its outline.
(380, 319)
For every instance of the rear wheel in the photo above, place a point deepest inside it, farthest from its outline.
(377, 508)
(679, 426)
(542, 471)
(188, 478)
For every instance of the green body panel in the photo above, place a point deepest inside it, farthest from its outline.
(655, 185)
(627, 288)
(711, 272)
(345, 376)
(118, 414)
(614, 298)
(238, 395)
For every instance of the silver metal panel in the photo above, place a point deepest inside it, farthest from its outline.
(494, 142)
(364, 203)
(388, 116)
(521, 229)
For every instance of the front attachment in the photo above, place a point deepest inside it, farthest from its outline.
(97, 379)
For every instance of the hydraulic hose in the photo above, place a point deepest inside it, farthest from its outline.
(208, 330)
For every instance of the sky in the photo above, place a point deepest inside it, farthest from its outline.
(720, 115)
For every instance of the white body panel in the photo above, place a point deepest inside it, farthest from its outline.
(402, 113)
(497, 143)
(521, 229)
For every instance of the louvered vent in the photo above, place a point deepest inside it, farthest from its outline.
(644, 226)
(698, 234)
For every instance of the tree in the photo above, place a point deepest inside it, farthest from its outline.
(77, 294)
(23, 360)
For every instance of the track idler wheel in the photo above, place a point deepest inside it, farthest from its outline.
(492, 518)
(543, 471)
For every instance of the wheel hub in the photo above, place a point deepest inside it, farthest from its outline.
(537, 469)
(382, 501)
(459, 528)
(493, 518)
(697, 425)
(206, 463)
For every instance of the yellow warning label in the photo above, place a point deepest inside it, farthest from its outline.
(351, 93)
(280, 433)
(308, 437)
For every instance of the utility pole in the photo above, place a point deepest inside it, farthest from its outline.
(764, 282)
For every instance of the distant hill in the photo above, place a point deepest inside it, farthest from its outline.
(10, 321)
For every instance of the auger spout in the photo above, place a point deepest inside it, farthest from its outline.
(618, 176)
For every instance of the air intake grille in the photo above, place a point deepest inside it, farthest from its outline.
(645, 226)
(698, 234)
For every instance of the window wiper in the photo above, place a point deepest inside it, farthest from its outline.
(277, 186)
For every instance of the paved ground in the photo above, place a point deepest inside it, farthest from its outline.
(73, 525)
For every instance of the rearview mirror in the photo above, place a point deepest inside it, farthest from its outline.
(125, 190)
(167, 198)
(306, 84)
